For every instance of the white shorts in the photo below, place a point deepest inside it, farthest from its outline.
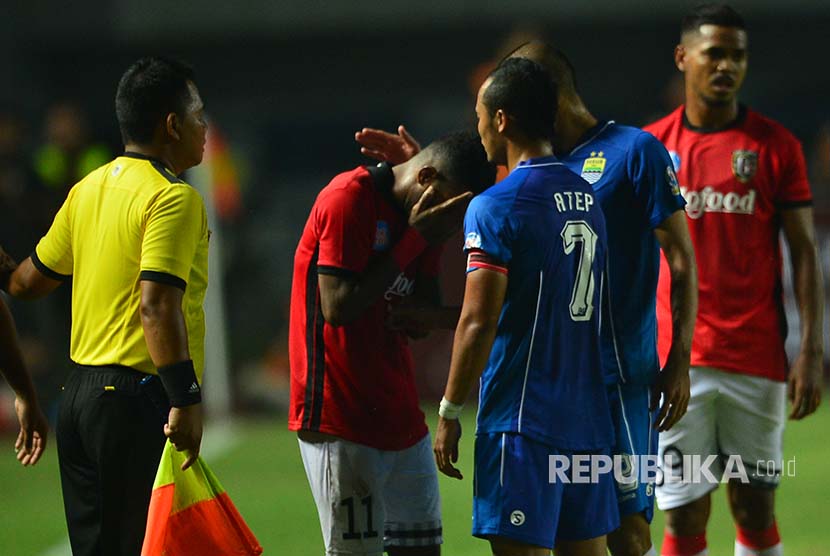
(737, 420)
(368, 499)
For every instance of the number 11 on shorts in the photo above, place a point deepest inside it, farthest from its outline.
(352, 533)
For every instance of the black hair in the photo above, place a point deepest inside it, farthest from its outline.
(461, 159)
(711, 14)
(149, 90)
(526, 93)
(552, 59)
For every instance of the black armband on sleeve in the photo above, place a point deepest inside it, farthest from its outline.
(179, 381)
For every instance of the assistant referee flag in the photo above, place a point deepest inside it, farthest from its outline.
(190, 513)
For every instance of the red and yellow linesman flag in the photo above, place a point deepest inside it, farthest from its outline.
(190, 513)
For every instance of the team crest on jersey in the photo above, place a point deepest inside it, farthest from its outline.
(671, 180)
(675, 160)
(381, 236)
(593, 167)
(744, 165)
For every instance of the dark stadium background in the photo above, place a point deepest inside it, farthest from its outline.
(288, 83)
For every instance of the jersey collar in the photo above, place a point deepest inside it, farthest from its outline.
(536, 162)
(590, 135)
(742, 110)
(130, 154)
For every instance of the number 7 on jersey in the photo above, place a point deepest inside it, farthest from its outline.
(579, 232)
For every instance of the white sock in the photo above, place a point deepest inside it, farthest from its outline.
(651, 552)
(741, 550)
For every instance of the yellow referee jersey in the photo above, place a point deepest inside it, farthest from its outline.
(127, 221)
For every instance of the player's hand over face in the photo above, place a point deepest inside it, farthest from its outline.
(445, 446)
(674, 386)
(437, 223)
(805, 385)
(31, 441)
(383, 145)
(184, 429)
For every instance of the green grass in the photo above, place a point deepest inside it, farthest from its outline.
(264, 476)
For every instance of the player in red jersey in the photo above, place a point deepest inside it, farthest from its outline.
(373, 239)
(743, 177)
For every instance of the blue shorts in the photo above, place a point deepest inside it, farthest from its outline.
(636, 439)
(514, 497)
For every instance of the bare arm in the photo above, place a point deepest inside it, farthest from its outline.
(28, 282)
(425, 311)
(344, 299)
(673, 381)
(805, 375)
(165, 332)
(483, 300)
(31, 441)
(163, 321)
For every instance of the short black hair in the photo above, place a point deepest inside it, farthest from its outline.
(150, 89)
(555, 61)
(463, 160)
(711, 14)
(527, 93)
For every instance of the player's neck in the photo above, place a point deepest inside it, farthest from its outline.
(704, 115)
(519, 152)
(573, 120)
(158, 153)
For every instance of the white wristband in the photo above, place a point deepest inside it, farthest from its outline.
(449, 410)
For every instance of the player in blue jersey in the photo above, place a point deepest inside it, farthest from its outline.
(635, 185)
(529, 328)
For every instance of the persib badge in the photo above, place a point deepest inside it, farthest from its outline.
(744, 165)
(381, 236)
(593, 167)
(671, 180)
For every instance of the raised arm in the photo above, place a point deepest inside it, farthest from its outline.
(673, 381)
(806, 373)
(385, 146)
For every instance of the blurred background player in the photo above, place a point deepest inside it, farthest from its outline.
(133, 239)
(635, 185)
(744, 180)
(529, 331)
(373, 239)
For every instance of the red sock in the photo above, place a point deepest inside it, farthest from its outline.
(682, 546)
(759, 540)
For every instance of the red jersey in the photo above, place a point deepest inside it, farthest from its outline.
(354, 381)
(735, 182)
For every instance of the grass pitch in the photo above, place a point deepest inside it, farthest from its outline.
(261, 470)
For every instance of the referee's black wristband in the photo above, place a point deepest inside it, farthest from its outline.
(179, 381)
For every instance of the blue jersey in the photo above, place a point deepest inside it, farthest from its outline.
(544, 376)
(634, 182)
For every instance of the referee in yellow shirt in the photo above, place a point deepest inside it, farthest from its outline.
(133, 239)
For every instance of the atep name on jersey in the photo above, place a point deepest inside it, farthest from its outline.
(710, 200)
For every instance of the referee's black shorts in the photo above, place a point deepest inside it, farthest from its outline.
(110, 435)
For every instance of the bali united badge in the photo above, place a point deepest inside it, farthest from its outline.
(744, 165)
